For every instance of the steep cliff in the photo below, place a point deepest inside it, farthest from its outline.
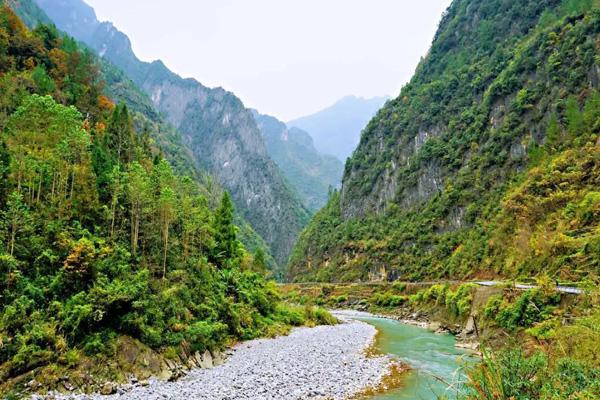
(309, 172)
(429, 192)
(218, 130)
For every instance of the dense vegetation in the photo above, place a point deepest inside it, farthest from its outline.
(536, 343)
(212, 127)
(485, 165)
(99, 235)
(545, 358)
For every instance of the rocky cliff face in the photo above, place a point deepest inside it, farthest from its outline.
(310, 173)
(220, 132)
(428, 191)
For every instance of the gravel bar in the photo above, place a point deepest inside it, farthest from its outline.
(325, 362)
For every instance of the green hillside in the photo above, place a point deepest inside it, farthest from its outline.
(216, 130)
(147, 118)
(485, 165)
(100, 236)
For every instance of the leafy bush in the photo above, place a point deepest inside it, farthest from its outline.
(457, 302)
(399, 287)
(340, 299)
(388, 299)
(204, 335)
(530, 307)
(510, 374)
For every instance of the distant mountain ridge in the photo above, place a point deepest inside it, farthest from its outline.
(336, 129)
(311, 173)
(218, 130)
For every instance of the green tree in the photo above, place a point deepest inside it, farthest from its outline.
(44, 83)
(120, 135)
(553, 132)
(165, 210)
(226, 247)
(167, 203)
(4, 165)
(575, 124)
(259, 262)
(194, 217)
(116, 190)
(139, 196)
(16, 219)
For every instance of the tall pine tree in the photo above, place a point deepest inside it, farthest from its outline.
(227, 245)
(120, 135)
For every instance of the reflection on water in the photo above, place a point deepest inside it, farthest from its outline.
(434, 360)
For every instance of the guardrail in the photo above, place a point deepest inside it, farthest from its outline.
(522, 286)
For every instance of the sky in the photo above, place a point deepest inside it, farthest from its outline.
(286, 58)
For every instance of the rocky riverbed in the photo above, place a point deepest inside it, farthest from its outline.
(325, 362)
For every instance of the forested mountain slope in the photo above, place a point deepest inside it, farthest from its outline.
(336, 129)
(146, 118)
(485, 165)
(311, 173)
(219, 131)
(101, 239)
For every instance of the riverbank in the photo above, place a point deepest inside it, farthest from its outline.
(435, 365)
(412, 304)
(325, 362)
(465, 339)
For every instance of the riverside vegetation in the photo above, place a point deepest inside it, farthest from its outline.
(101, 237)
(485, 166)
(549, 338)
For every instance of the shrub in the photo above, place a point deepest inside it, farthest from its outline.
(388, 299)
(204, 335)
(340, 299)
(510, 374)
(459, 301)
(319, 316)
(532, 306)
(324, 317)
(399, 287)
(291, 315)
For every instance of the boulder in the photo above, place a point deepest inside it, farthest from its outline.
(165, 373)
(207, 360)
(108, 388)
(217, 358)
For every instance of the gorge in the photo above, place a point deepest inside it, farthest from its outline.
(161, 239)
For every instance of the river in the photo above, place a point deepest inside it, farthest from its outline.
(430, 355)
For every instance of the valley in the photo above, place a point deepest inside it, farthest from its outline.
(160, 238)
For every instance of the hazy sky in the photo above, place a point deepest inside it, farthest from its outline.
(287, 58)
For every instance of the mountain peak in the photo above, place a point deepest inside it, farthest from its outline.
(336, 129)
(213, 123)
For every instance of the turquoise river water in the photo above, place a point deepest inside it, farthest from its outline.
(434, 360)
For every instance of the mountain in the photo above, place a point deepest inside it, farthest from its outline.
(336, 129)
(218, 130)
(312, 174)
(147, 118)
(106, 250)
(485, 165)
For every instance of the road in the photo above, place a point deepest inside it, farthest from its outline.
(521, 286)
(562, 289)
